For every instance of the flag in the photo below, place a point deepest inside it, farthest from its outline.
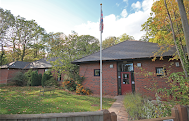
(101, 22)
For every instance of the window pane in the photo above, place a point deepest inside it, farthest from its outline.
(125, 78)
(127, 67)
(160, 71)
(97, 72)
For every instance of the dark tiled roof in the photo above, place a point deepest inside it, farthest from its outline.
(16, 65)
(42, 63)
(126, 50)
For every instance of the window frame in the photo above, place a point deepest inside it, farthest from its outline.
(95, 73)
(161, 74)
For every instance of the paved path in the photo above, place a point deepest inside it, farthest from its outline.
(119, 108)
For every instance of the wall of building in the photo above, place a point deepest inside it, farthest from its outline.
(3, 76)
(12, 73)
(146, 78)
(41, 71)
(109, 76)
(6, 75)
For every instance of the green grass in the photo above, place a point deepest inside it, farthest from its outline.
(27, 100)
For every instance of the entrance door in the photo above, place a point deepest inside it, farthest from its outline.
(126, 82)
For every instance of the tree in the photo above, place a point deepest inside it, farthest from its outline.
(21, 37)
(125, 37)
(184, 23)
(109, 41)
(87, 44)
(69, 48)
(164, 27)
(6, 21)
(27, 34)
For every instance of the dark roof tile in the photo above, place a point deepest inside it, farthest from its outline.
(126, 50)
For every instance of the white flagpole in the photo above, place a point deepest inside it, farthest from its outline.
(101, 63)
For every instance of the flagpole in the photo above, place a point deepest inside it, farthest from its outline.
(101, 63)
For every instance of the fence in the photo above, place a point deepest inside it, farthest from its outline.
(103, 115)
(178, 113)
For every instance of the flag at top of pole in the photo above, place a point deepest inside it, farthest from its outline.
(101, 20)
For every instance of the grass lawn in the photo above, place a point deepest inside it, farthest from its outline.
(27, 100)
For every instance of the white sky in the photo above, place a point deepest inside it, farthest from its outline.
(54, 18)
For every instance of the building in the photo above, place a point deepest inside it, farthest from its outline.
(7, 72)
(128, 67)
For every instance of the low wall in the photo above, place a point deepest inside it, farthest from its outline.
(103, 115)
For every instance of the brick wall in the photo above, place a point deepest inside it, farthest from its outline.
(3, 76)
(109, 76)
(151, 80)
(41, 71)
(12, 73)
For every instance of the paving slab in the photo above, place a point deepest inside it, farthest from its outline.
(119, 108)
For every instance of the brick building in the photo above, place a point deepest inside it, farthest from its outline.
(7, 72)
(128, 67)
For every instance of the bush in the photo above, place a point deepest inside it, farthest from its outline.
(28, 77)
(34, 78)
(19, 79)
(69, 84)
(179, 91)
(44, 78)
(51, 82)
(82, 91)
(47, 77)
(141, 108)
(39, 79)
(133, 104)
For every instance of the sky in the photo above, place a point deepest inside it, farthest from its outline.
(83, 16)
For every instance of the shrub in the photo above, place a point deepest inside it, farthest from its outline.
(28, 77)
(44, 78)
(141, 108)
(19, 79)
(34, 78)
(82, 91)
(133, 104)
(51, 82)
(69, 84)
(47, 77)
(39, 79)
(179, 91)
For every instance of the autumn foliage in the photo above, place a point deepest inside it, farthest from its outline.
(81, 90)
(74, 86)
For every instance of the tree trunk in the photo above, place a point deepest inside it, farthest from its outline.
(184, 23)
(1, 54)
(174, 38)
(23, 52)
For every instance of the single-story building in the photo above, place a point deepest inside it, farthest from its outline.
(7, 72)
(127, 67)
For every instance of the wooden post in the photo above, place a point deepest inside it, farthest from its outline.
(182, 112)
(106, 115)
(113, 116)
(175, 113)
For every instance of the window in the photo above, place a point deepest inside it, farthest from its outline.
(59, 76)
(160, 71)
(177, 64)
(46, 70)
(97, 72)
